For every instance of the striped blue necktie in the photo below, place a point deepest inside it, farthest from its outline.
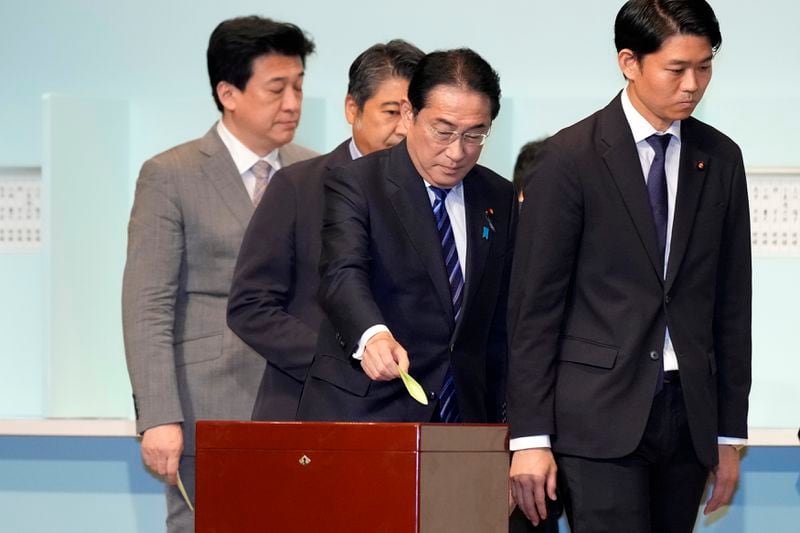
(448, 403)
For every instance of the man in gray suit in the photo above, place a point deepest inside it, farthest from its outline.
(192, 205)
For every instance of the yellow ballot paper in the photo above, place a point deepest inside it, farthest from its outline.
(183, 493)
(414, 389)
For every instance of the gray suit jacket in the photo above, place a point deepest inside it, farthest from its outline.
(189, 215)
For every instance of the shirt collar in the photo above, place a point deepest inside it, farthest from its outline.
(640, 128)
(242, 156)
(354, 152)
(456, 191)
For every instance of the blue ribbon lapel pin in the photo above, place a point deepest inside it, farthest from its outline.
(488, 215)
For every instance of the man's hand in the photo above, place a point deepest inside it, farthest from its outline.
(382, 356)
(161, 450)
(511, 503)
(725, 475)
(533, 478)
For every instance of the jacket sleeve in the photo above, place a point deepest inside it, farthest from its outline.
(733, 313)
(345, 292)
(548, 237)
(149, 288)
(263, 280)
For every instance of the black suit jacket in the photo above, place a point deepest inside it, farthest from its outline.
(273, 300)
(590, 306)
(382, 263)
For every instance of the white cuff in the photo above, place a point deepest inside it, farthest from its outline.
(365, 337)
(733, 441)
(525, 443)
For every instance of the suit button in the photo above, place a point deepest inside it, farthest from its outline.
(654, 356)
(432, 396)
(667, 298)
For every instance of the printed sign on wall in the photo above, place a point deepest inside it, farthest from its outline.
(20, 210)
(775, 212)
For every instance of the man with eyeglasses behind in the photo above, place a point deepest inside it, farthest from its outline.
(416, 255)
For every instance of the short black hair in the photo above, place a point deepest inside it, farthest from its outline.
(461, 67)
(378, 63)
(527, 156)
(642, 26)
(236, 43)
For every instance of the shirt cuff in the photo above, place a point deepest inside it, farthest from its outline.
(732, 441)
(366, 336)
(525, 443)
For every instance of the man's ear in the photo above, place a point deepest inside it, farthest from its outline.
(350, 109)
(629, 64)
(227, 93)
(406, 113)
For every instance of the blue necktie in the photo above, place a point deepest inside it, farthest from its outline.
(657, 192)
(657, 188)
(448, 403)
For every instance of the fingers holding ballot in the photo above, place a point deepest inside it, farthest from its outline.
(384, 357)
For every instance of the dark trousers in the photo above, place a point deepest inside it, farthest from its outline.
(518, 523)
(656, 489)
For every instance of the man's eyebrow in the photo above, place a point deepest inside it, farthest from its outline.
(445, 122)
(285, 79)
(685, 62)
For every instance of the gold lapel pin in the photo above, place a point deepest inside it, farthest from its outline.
(701, 165)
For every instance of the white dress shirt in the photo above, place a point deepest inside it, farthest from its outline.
(244, 158)
(641, 130)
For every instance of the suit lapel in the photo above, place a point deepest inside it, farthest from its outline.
(622, 160)
(220, 169)
(412, 205)
(690, 186)
(476, 206)
(340, 156)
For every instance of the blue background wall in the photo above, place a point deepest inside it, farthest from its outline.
(84, 485)
(127, 79)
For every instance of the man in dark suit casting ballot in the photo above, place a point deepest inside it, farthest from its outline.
(631, 296)
(416, 251)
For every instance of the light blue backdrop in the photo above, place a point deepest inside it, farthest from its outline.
(127, 79)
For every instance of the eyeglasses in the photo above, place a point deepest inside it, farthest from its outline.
(469, 138)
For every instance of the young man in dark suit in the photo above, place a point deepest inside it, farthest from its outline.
(273, 303)
(631, 296)
(416, 254)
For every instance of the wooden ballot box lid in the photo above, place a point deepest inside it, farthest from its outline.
(353, 436)
(351, 477)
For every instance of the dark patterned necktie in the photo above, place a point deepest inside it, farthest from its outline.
(657, 188)
(657, 192)
(448, 403)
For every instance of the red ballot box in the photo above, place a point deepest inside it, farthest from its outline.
(310, 477)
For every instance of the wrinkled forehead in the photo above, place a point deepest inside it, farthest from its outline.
(457, 105)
